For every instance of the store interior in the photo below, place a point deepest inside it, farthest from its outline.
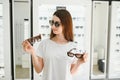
(96, 27)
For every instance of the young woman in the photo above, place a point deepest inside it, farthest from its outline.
(51, 56)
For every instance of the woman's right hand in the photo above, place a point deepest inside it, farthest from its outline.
(27, 47)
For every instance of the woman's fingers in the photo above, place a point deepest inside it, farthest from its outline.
(25, 44)
(85, 57)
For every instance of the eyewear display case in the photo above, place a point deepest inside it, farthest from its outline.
(2, 73)
(114, 48)
(5, 58)
(81, 27)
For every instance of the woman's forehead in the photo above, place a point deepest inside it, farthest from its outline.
(55, 18)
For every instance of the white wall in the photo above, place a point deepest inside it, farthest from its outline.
(1, 1)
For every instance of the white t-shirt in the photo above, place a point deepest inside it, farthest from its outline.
(56, 62)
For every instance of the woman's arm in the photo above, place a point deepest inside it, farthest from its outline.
(37, 61)
(75, 66)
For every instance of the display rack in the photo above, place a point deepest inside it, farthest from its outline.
(114, 50)
(2, 73)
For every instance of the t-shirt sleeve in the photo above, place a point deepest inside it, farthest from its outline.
(40, 49)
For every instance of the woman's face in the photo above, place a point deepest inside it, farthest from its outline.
(56, 25)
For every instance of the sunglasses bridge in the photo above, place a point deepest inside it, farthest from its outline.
(56, 23)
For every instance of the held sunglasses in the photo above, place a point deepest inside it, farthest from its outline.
(34, 39)
(56, 23)
(77, 55)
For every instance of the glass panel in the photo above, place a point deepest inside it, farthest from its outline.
(21, 32)
(2, 74)
(99, 39)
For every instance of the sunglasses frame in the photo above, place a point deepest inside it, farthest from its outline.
(34, 39)
(56, 23)
(74, 54)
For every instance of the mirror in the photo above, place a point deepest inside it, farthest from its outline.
(99, 39)
(21, 31)
(2, 73)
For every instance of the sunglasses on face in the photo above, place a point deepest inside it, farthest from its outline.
(56, 23)
(72, 54)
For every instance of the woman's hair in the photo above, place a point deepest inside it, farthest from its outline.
(66, 21)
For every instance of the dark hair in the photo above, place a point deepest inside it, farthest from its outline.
(66, 21)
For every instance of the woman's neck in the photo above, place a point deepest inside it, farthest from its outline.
(59, 39)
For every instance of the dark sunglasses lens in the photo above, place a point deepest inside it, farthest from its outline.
(78, 55)
(57, 24)
(70, 54)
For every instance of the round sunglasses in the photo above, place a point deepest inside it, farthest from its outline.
(56, 23)
(76, 54)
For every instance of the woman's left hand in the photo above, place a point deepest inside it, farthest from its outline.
(80, 61)
(83, 59)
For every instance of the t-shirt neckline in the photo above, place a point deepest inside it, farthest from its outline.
(59, 43)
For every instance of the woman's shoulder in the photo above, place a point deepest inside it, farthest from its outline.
(44, 40)
(72, 43)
